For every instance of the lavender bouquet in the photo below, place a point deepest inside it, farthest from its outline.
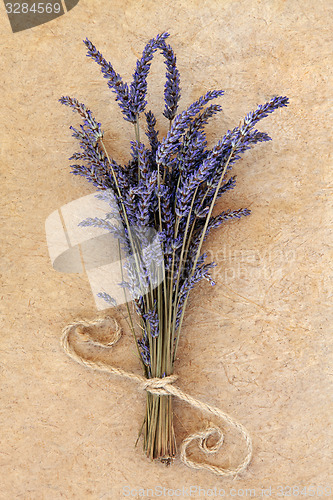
(170, 187)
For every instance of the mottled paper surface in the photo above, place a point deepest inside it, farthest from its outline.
(258, 344)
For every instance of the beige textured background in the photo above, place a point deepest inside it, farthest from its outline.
(259, 344)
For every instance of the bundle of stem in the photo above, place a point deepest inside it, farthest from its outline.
(170, 186)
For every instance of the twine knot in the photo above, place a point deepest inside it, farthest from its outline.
(161, 386)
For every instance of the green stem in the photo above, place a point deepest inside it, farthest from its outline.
(190, 237)
(181, 262)
(128, 310)
(133, 246)
(202, 239)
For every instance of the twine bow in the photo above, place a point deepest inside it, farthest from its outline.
(162, 386)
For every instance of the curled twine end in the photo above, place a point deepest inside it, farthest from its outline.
(161, 386)
(209, 432)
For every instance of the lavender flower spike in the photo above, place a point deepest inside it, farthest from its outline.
(115, 81)
(152, 133)
(171, 88)
(110, 300)
(171, 142)
(262, 111)
(89, 120)
(152, 318)
(138, 87)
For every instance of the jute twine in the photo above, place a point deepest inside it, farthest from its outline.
(160, 386)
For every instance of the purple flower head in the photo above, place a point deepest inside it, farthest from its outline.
(163, 196)
(172, 142)
(171, 89)
(138, 87)
(144, 350)
(152, 133)
(151, 317)
(115, 82)
(110, 300)
(262, 111)
(89, 121)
